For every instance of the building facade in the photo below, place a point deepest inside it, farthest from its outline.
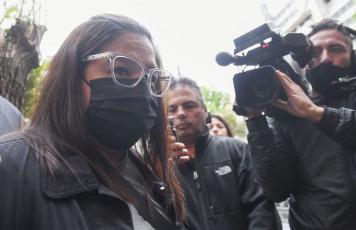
(299, 15)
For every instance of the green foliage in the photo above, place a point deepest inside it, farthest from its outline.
(28, 10)
(215, 100)
(11, 13)
(220, 103)
(33, 87)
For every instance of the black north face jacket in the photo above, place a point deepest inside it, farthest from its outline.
(221, 189)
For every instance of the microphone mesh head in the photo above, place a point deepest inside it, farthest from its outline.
(224, 58)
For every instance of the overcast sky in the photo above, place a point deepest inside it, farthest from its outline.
(188, 33)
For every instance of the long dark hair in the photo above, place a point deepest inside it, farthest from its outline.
(58, 124)
(229, 133)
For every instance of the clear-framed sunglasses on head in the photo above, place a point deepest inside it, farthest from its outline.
(127, 71)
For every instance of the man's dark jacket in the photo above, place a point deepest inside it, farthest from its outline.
(224, 194)
(10, 117)
(32, 198)
(314, 163)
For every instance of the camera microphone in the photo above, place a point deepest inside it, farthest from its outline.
(225, 58)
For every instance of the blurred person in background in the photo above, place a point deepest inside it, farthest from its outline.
(10, 117)
(219, 126)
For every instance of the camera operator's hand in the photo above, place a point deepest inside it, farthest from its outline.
(179, 153)
(298, 103)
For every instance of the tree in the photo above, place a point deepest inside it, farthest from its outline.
(220, 103)
(215, 100)
(19, 51)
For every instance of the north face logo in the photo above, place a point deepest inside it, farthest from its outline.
(223, 170)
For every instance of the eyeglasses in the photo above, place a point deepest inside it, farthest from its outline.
(127, 71)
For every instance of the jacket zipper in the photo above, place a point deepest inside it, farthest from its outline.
(201, 201)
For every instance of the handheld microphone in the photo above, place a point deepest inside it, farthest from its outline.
(174, 131)
(182, 158)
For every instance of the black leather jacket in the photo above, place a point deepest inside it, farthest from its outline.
(221, 189)
(31, 198)
(314, 163)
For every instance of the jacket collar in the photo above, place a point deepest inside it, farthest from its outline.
(64, 182)
(202, 141)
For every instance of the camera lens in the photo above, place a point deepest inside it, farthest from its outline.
(262, 88)
(256, 87)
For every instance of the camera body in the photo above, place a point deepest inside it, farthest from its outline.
(260, 86)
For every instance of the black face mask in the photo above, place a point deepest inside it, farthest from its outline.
(324, 78)
(118, 116)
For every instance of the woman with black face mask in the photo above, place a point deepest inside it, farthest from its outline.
(73, 166)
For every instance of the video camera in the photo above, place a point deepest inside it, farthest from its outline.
(260, 86)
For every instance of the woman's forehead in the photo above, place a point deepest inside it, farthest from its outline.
(134, 45)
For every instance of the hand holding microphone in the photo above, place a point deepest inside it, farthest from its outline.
(179, 150)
